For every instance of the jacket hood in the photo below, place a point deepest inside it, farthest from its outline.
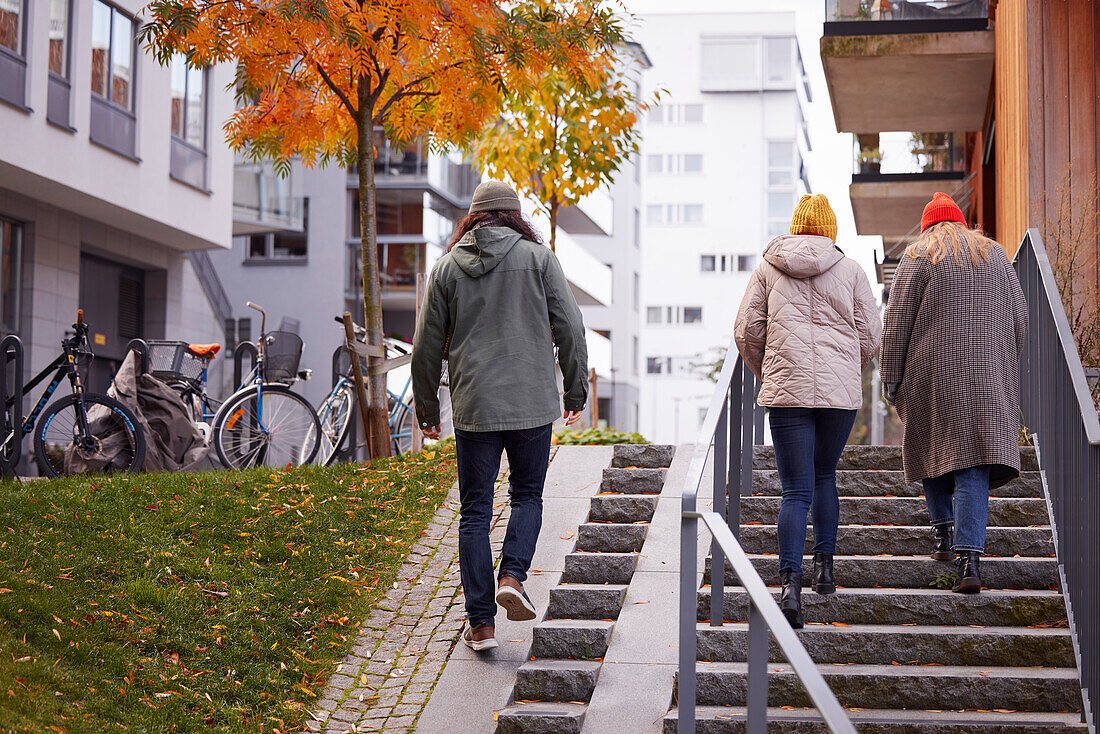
(803, 255)
(481, 250)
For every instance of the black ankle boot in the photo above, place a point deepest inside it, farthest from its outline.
(967, 577)
(823, 573)
(790, 601)
(943, 539)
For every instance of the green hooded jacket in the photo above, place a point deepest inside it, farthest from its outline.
(495, 307)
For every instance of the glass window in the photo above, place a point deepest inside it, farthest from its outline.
(779, 205)
(777, 53)
(188, 102)
(653, 315)
(706, 263)
(732, 63)
(780, 154)
(11, 251)
(693, 314)
(654, 213)
(653, 365)
(654, 163)
(746, 263)
(634, 355)
(59, 37)
(12, 15)
(112, 55)
(693, 113)
(777, 227)
(693, 163)
(637, 227)
(178, 83)
(637, 291)
(693, 213)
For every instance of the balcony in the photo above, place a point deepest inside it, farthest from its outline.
(907, 64)
(895, 174)
(412, 167)
(262, 201)
(592, 215)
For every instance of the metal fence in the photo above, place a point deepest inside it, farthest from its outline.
(732, 427)
(1059, 412)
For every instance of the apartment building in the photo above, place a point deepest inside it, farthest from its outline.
(112, 170)
(724, 167)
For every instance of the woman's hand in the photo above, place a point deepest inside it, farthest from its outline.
(572, 416)
(432, 433)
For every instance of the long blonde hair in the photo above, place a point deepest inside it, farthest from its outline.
(951, 237)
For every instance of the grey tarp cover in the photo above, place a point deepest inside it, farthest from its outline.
(173, 443)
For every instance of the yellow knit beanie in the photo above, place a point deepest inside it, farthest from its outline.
(813, 215)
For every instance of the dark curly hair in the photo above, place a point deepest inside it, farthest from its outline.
(510, 219)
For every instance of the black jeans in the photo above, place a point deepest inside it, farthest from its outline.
(478, 465)
(808, 443)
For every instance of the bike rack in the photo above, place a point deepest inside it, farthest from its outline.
(142, 348)
(242, 350)
(11, 399)
(351, 446)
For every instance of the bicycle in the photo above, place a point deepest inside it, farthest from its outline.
(83, 432)
(264, 423)
(336, 411)
(183, 367)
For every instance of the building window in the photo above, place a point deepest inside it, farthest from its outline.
(57, 97)
(657, 365)
(777, 60)
(11, 266)
(676, 114)
(188, 89)
(637, 227)
(113, 124)
(675, 163)
(634, 356)
(707, 263)
(13, 63)
(746, 263)
(653, 315)
(693, 314)
(659, 215)
(674, 314)
(730, 64)
(781, 175)
(283, 246)
(637, 292)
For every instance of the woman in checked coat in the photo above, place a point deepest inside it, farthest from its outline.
(954, 330)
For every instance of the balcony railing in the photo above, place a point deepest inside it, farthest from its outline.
(262, 200)
(907, 156)
(858, 17)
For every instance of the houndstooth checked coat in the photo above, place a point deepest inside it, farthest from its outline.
(952, 340)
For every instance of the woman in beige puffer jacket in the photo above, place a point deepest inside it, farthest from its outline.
(808, 326)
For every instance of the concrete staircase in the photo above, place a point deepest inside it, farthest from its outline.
(901, 655)
(553, 688)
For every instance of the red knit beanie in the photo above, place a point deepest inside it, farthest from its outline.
(942, 208)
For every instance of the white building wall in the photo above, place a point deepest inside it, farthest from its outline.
(732, 190)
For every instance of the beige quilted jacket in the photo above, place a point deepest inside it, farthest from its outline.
(808, 325)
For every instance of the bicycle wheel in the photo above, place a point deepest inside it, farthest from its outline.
(402, 425)
(277, 429)
(113, 442)
(335, 420)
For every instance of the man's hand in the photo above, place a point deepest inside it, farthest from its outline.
(432, 433)
(572, 416)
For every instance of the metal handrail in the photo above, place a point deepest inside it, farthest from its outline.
(1059, 412)
(735, 393)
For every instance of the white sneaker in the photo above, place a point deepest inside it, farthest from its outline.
(515, 602)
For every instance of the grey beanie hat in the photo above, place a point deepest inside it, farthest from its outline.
(494, 196)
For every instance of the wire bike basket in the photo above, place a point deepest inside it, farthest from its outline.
(172, 361)
(282, 354)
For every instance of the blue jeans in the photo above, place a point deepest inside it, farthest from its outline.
(808, 443)
(478, 465)
(962, 498)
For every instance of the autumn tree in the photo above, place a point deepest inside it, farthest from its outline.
(316, 77)
(561, 137)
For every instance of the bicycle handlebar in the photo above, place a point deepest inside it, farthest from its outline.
(80, 317)
(359, 330)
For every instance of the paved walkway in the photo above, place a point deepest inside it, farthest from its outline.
(386, 679)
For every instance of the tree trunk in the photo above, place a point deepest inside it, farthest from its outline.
(554, 207)
(379, 432)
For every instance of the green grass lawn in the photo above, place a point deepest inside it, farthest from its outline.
(196, 602)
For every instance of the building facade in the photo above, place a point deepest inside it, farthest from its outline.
(112, 170)
(732, 113)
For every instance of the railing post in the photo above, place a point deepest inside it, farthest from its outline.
(757, 674)
(717, 557)
(689, 617)
(733, 400)
(747, 421)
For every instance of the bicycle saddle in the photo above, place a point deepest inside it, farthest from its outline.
(204, 350)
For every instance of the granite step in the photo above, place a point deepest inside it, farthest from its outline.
(731, 720)
(642, 455)
(564, 681)
(887, 644)
(586, 601)
(633, 480)
(622, 508)
(571, 638)
(902, 686)
(1003, 511)
(909, 572)
(611, 537)
(599, 568)
(874, 458)
(541, 718)
(996, 607)
(892, 483)
(903, 540)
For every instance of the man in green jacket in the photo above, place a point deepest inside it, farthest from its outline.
(496, 306)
